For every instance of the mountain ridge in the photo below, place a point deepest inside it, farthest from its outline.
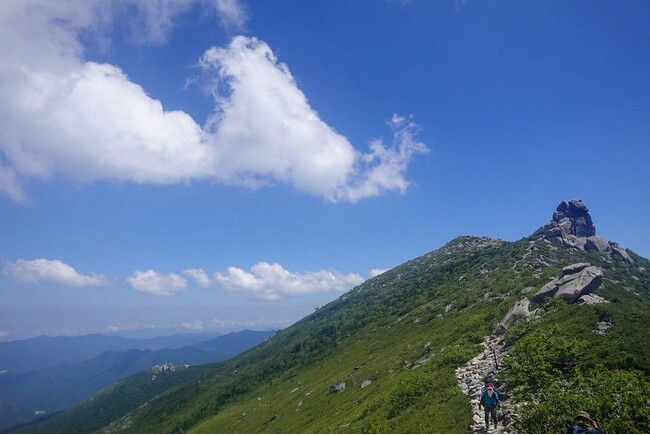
(385, 354)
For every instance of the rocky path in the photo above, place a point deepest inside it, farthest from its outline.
(471, 376)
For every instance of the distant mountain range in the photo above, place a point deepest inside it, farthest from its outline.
(28, 394)
(38, 353)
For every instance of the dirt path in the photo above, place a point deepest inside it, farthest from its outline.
(471, 377)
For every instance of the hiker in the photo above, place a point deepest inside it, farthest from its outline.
(489, 400)
(583, 423)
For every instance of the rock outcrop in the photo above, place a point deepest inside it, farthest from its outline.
(573, 227)
(516, 314)
(337, 388)
(578, 280)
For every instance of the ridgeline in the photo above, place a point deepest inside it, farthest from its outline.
(567, 311)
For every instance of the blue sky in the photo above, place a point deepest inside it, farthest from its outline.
(216, 165)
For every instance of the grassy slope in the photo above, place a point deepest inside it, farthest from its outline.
(376, 327)
(112, 403)
(451, 297)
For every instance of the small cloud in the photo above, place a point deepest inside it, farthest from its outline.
(199, 276)
(232, 13)
(376, 272)
(157, 284)
(132, 327)
(272, 281)
(250, 323)
(4, 334)
(196, 325)
(50, 271)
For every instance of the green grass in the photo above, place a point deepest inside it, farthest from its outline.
(452, 298)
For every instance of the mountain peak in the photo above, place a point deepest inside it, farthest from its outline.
(572, 218)
(573, 227)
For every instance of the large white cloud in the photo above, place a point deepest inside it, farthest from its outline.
(63, 115)
(50, 271)
(272, 281)
(157, 284)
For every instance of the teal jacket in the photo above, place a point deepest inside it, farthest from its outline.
(487, 401)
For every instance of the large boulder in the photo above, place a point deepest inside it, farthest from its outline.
(620, 252)
(516, 314)
(585, 282)
(549, 289)
(596, 244)
(574, 268)
(578, 279)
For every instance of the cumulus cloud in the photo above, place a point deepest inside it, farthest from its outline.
(50, 271)
(62, 115)
(157, 284)
(377, 272)
(199, 276)
(272, 281)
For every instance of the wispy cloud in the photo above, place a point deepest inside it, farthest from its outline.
(50, 271)
(157, 284)
(232, 13)
(50, 94)
(272, 281)
(4, 334)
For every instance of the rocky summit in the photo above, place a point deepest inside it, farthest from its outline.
(573, 227)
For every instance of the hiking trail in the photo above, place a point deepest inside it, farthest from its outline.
(471, 377)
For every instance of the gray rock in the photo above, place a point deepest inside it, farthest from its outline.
(516, 314)
(574, 268)
(602, 328)
(618, 251)
(570, 222)
(588, 281)
(337, 388)
(580, 243)
(548, 290)
(566, 278)
(596, 244)
(365, 383)
(591, 299)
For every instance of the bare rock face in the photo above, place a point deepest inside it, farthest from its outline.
(573, 227)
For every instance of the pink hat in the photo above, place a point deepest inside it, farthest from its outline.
(490, 387)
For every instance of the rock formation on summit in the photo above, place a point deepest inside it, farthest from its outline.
(572, 226)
